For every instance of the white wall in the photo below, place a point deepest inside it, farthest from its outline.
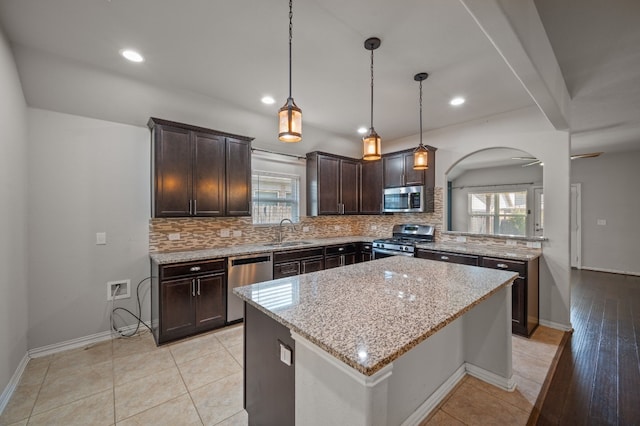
(610, 192)
(527, 130)
(85, 176)
(13, 217)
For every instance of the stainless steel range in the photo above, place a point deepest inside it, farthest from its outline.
(403, 241)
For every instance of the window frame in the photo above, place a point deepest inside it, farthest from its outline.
(495, 215)
(294, 201)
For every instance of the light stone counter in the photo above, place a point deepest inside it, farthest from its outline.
(242, 249)
(504, 252)
(369, 314)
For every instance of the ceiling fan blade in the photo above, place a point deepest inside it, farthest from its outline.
(587, 155)
(524, 158)
(531, 164)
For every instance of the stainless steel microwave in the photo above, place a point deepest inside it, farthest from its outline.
(404, 199)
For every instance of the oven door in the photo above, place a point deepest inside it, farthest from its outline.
(379, 253)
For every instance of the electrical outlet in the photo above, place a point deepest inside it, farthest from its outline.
(101, 238)
(336, 227)
(175, 236)
(224, 233)
(461, 239)
(374, 227)
(601, 222)
(237, 233)
(119, 289)
(534, 244)
(305, 229)
(512, 243)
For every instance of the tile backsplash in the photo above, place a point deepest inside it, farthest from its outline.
(179, 234)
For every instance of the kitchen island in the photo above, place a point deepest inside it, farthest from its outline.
(374, 343)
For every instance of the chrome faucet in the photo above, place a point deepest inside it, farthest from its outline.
(280, 228)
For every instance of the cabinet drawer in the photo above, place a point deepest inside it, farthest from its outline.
(464, 259)
(507, 265)
(192, 268)
(281, 256)
(340, 249)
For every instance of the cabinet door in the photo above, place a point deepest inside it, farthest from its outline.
(208, 175)
(393, 170)
(371, 187)
(348, 259)
(518, 306)
(349, 186)
(412, 177)
(176, 307)
(172, 150)
(328, 185)
(210, 309)
(465, 259)
(332, 262)
(311, 265)
(288, 269)
(238, 177)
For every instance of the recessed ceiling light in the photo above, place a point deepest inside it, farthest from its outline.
(457, 101)
(268, 100)
(362, 130)
(132, 55)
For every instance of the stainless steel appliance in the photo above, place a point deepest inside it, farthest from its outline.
(406, 199)
(245, 270)
(403, 241)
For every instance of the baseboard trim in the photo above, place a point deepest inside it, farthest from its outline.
(436, 398)
(611, 271)
(493, 379)
(556, 325)
(8, 391)
(79, 342)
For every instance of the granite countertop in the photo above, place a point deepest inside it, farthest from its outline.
(242, 249)
(504, 252)
(369, 314)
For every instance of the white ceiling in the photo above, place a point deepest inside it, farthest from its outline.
(236, 52)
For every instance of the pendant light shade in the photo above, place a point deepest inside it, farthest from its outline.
(371, 143)
(290, 116)
(421, 153)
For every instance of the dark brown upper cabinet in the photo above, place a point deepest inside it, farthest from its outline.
(398, 170)
(371, 187)
(333, 184)
(198, 172)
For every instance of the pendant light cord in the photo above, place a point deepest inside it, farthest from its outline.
(290, 38)
(371, 88)
(420, 112)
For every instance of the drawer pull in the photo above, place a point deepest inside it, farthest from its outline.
(194, 269)
(444, 257)
(502, 265)
(341, 249)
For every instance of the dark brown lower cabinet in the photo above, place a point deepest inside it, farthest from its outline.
(187, 298)
(295, 262)
(365, 252)
(524, 292)
(339, 255)
(269, 384)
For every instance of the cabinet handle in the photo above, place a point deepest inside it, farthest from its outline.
(193, 288)
(502, 265)
(194, 269)
(198, 286)
(444, 257)
(195, 207)
(190, 206)
(304, 267)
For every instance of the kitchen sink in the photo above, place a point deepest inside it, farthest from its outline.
(288, 244)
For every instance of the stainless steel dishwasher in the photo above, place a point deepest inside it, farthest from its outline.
(245, 270)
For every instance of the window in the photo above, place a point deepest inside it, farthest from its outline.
(498, 213)
(276, 196)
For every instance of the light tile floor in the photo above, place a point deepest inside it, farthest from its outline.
(198, 381)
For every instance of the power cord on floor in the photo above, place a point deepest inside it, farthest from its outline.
(113, 310)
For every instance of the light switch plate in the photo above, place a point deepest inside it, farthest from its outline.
(461, 239)
(512, 242)
(101, 238)
(534, 244)
(305, 229)
(224, 233)
(602, 221)
(237, 233)
(285, 354)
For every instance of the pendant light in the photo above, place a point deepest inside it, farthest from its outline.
(371, 142)
(290, 116)
(421, 153)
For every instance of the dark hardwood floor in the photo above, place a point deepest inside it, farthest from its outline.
(597, 379)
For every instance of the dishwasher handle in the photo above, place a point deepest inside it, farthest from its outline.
(250, 260)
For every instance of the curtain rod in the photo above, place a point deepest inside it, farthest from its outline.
(491, 186)
(299, 157)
